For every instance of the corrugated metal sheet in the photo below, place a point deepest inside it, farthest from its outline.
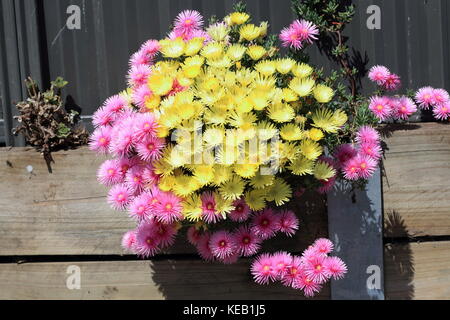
(413, 40)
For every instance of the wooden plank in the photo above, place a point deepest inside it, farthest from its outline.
(418, 270)
(65, 212)
(416, 186)
(355, 226)
(163, 279)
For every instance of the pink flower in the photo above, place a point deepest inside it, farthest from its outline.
(150, 148)
(262, 269)
(309, 287)
(147, 240)
(440, 96)
(442, 111)
(141, 95)
(100, 139)
(138, 75)
(124, 164)
(129, 240)
(119, 197)
(241, 211)
(168, 208)
(247, 242)
(109, 173)
(323, 246)
(309, 254)
(370, 149)
(149, 175)
(115, 104)
(379, 74)
(344, 153)
(150, 48)
(203, 248)
(367, 134)
(102, 117)
(380, 106)
(193, 235)
(166, 234)
(403, 108)
(140, 208)
(188, 21)
(281, 262)
(140, 58)
(392, 82)
(222, 244)
(351, 169)
(290, 38)
(122, 139)
(335, 267)
(365, 166)
(145, 125)
(134, 178)
(209, 212)
(264, 224)
(326, 185)
(425, 97)
(316, 270)
(306, 30)
(287, 223)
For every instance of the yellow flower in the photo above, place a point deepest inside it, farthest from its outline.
(266, 130)
(323, 119)
(172, 48)
(281, 113)
(266, 67)
(152, 102)
(246, 170)
(301, 166)
(289, 95)
(218, 31)
(255, 199)
(323, 171)
(212, 50)
(285, 65)
(166, 183)
(263, 26)
(222, 174)
(193, 46)
(236, 51)
(232, 189)
(260, 181)
(339, 118)
(256, 52)
(291, 132)
(249, 32)
(302, 70)
(185, 185)
(237, 18)
(315, 134)
(204, 174)
(322, 93)
(279, 192)
(310, 149)
(160, 84)
(302, 87)
(192, 208)
(213, 136)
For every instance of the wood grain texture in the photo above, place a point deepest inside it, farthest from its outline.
(416, 182)
(65, 212)
(417, 270)
(161, 279)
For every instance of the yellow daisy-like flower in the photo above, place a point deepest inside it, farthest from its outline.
(213, 137)
(218, 31)
(256, 199)
(249, 32)
(323, 119)
(172, 48)
(279, 192)
(310, 149)
(256, 52)
(160, 84)
(263, 26)
(237, 18)
(185, 185)
(192, 208)
(285, 65)
(193, 46)
(212, 51)
(323, 171)
(152, 102)
(222, 174)
(289, 95)
(236, 51)
(266, 67)
(291, 132)
(301, 166)
(232, 189)
(323, 94)
(339, 118)
(315, 134)
(204, 174)
(266, 130)
(281, 113)
(224, 206)
(302, 70)
(260, 181)
(166, 183)
(302, 86)
(246, 170)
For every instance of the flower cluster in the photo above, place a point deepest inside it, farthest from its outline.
(214, 130)
(402, 107)
(307, 272)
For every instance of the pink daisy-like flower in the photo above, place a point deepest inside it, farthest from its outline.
(188, 20)
(247, 242)
(140, 208)
(379, 74)
(265, 224)
(150, 48)
(380, 106)
(138, 75)
(370, 149)
(141, 95)
(149, 176)
(102, 117)
(367, 134)
(129, 240)
(109, 173)
(140, 58)
(442, 111)
(290, 38)
(145, 125)
(309, 254)
(403, 108)
(392, 82)
(122, 140)
(124, 164)
(199, 34)
(263, 270)
(241, 211)
(366, 166)
(281, 262)
(323, 246)
(309, 287)
(203, 248)
(119, 197)
(306, 30)
(193, 235)
(168, 209)
(147, 239)
(100, 139)
(294, 271)
(134, 178)
(287, 223)
(326, 185)
(115, 104)
(440, 96)
(209, 212)
(166, 234)
(425, 97)
(222, 244)
(343, 153)
(350, 169)
(150, 148)
(335, 267)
